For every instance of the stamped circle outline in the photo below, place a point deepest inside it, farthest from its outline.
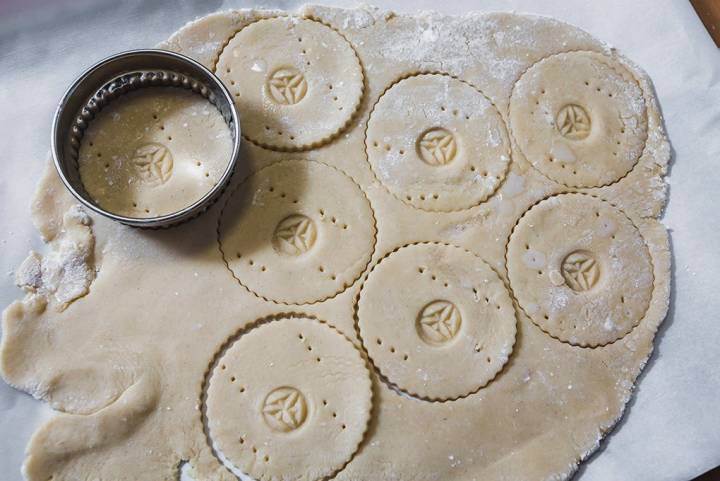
(364, 341)
(645, 98)
(503, 175)
(215, 363)
(347, 285)
(330, 137)
(523, 309)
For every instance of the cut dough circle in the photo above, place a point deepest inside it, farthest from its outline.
(281, 230)
(153, 152)
(579, 118)
(580, 269)
(297, 81)
(290, 399)
(437, 143)
(428, 312)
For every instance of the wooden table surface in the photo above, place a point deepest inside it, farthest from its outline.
(709, 13)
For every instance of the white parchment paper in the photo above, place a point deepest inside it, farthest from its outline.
(671, 430)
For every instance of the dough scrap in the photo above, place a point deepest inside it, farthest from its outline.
(580, 269)
(153, 152)
(437, 143)
(297, 81)
(428, 312)
(280, 232)
(301, 412)
(65, 273)
(579, 118)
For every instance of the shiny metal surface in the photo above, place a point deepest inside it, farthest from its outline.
(115, 76)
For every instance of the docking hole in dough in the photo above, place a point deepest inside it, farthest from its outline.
(579, 118)
(437, 143)
(297, 232)
(580, 269)
(297, 82)
(290, 399)
(153, 152)
(436, 320)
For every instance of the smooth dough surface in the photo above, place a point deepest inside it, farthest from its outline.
(428, 312)
(300, 412)
(437, 143)
(121, 329)
(297, 81)
(153, 152)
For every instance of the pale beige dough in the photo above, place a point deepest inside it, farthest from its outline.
(580, 269)
(297, 81)
(437, 143)
(302, 410)
(579, 118)
(127, 362)
(153, 152)
(65, 273)
(429, 311)
(297, 232)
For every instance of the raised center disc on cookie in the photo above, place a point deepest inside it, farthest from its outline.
(298, 81)
(579, 118)
(428, 312)
(153, 152)
(580, 269)
(437, 143)
(286, 237)
(271, 411)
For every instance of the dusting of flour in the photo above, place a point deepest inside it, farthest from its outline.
(65, 272)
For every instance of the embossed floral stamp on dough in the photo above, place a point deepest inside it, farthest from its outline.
(287, 86)
(580, 270)
(573, 122)
(294, 235)
(153, 162)
(285, 409)
(439, 322)
(437, 146)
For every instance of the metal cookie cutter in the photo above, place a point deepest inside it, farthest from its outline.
(115, 76)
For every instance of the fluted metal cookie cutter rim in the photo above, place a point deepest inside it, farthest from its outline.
(115, 76)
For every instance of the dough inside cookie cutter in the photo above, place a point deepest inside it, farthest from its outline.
(150, 160)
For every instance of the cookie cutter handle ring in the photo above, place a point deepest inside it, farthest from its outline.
(115, 76)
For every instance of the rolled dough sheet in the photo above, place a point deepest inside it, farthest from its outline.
(127, 355)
